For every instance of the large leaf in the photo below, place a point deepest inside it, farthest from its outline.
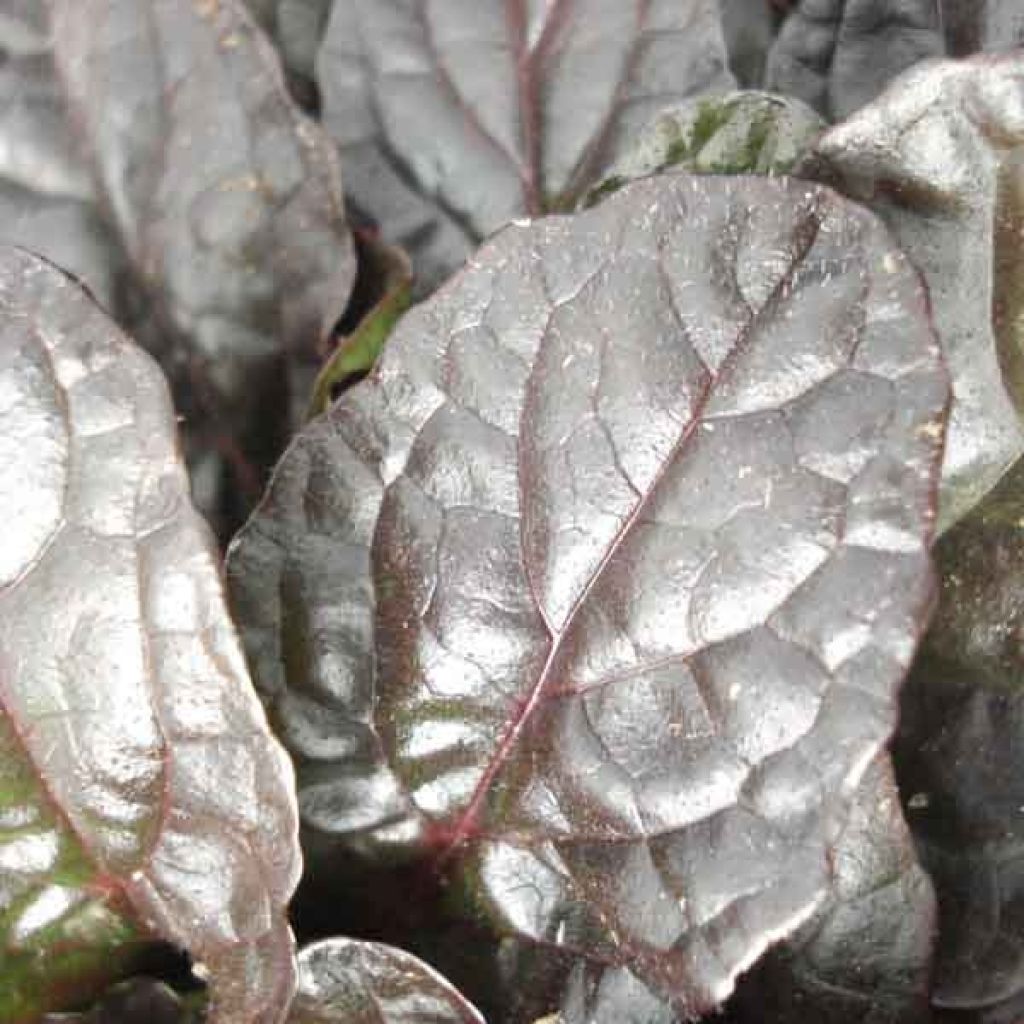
(342, 981)
(940, 156)
(960, 755)
(455, 118)
(596, 594)
(140, 792)
(297, 27)
(228, 201)
(837, 55)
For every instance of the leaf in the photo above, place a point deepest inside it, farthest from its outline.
(837, 55)
(454, 119)
(749, 27)
(867, 953)
(983, 26)
(595, 595)
(297, 27)
(36, 150)
(738, 133)
(959, 753)
(388, 275)
(68, 232)
(938, 157)
(228, 201)
(141, 795)
(344, 981)
(139, 1001)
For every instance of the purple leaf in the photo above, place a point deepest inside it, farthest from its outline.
(455, 118)
(343, 981)
(227, 199)
(596, 594)
(867, 954)
(937, 156)
(959, 753)
(140, 792)
(837, 55)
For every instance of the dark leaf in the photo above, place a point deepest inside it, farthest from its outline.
(36, 149)
(738, 133)
(939, 157)
(983, 25)
(68, 232)
(139, 1001)
(960, 749)
(596, 594)
(140, 793)
(866, 955)
(343, 981)
(837, 55)
(455, 118)
(749, 27)
(228, 201)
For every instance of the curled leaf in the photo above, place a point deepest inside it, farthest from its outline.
(141, 795)
(344, 981)
(595, 595)
(939, 156)
(456, 118)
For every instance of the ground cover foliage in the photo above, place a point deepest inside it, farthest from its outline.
(513, 511)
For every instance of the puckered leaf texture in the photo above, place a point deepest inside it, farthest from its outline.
(140, 792)
(344, 981)
(455, 118)
(837, 55)
(595, 596)
(938, 156)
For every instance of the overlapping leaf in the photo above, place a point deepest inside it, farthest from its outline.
(454, 119)
(343, 981)
(837, 55)
(227, 199)
(960, 753)
(940, 156)
(596, 594)
(747, 132)
(983, 25)
(140, 793)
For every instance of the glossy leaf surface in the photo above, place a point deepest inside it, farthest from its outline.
(227, 199)
(939, 156)
(960, 751)
(455, 118)
(140, 792)
(837, 55)
(597, 592)
(867, 954)
(343, 981)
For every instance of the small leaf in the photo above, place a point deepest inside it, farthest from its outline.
(141, 795)
(388, 274)
(343, 981)
(454, 119)
(938, 157)
(738, 133)
(837, 55)
(594, 597)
